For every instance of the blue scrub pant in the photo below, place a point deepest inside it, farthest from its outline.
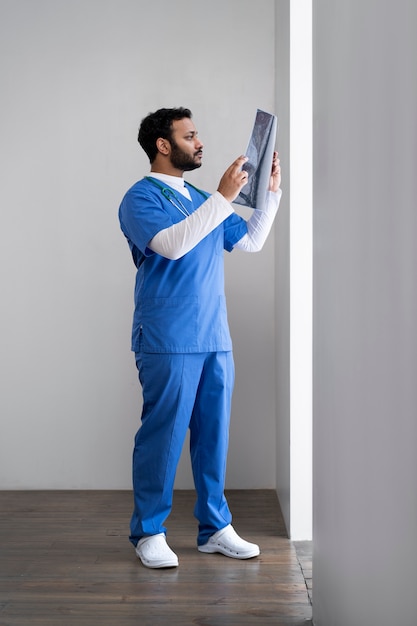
(182, 391)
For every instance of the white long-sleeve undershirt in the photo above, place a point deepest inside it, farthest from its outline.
(260, 223)
(176, 240)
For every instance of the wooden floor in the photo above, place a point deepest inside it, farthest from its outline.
(65, 559)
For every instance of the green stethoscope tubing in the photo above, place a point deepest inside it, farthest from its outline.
(170, 194)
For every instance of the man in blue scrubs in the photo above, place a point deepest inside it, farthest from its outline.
(177, 235)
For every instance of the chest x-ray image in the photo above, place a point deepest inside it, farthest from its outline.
(260, 151)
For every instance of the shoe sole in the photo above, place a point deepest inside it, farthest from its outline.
(157, 564)
(234, 555)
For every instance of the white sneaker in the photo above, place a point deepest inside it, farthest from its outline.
(154, 552)
(227, 542)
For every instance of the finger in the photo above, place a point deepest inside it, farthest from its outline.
(236, 165)
(240, 161)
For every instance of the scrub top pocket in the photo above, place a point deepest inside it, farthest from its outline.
(170, 324)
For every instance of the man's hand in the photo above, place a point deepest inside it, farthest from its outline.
(275, 180)
(233, 179)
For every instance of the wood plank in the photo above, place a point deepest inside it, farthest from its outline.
(65, 560)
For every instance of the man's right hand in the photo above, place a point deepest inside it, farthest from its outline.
(233, 179)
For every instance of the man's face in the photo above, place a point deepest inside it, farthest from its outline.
(186, 148)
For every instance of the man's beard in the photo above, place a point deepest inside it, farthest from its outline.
(183, 161)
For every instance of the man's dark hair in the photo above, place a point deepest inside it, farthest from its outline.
(159, 124)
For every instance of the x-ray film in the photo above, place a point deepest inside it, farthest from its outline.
(260, 152)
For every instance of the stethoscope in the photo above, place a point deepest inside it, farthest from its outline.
(172, 197)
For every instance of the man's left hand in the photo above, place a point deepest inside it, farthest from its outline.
(275, 180)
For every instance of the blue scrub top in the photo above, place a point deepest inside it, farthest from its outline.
(180, 305)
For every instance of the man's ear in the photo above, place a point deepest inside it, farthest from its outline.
(163, 145)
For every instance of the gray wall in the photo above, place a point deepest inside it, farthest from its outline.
(76, 78)
(365, 313)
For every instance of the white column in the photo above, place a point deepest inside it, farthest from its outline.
(301, 269)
